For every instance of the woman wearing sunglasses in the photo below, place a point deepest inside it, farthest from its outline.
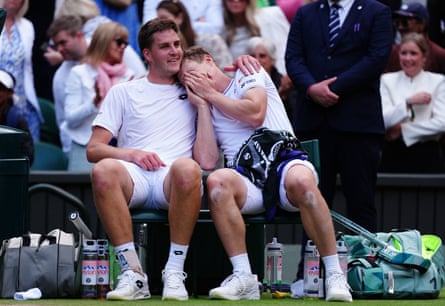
(88, 83)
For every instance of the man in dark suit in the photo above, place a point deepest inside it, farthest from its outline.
(338, 95)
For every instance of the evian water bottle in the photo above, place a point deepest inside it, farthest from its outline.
(89, 266)
(311, 271)
(103, 268)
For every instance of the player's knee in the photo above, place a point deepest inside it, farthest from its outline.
(185, 173)
(218, 186)
(304, 190)
(309, 198)
(215, 196)
(103, 174)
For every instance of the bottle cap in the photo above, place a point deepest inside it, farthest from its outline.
(89, 245)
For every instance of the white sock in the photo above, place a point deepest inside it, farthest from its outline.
(331, 264)
(241, 263)
(176, 257)
(128, 258)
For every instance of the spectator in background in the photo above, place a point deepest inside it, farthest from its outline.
(244, 20)
(413, 103)
(394, 5)
(338, 100)
(240, 24)
(436, 25)
(177, 12)
(69, 41)
(265, 52)
(91, 15)
(206, 16)
(124, 12)
(16, 43)
(10, 114)
(413, 17)
(88, 83)
(41, 18)
(289, 7)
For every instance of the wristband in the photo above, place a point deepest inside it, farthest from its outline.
(411, 109)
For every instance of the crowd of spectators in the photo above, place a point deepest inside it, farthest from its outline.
(221, 26)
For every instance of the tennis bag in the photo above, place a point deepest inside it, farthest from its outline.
(372, 277)
(39, 261)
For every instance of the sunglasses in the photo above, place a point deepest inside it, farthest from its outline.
(404, 21)
(120, 42)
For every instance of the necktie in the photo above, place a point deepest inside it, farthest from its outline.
(334, 24)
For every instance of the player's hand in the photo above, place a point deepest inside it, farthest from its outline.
(246, 63)
(146, 160)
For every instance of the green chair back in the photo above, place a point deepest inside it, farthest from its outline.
(48, 157)
(49, 130)
(311, 148)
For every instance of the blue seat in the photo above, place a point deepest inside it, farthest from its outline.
(49, 130)
(48, 156)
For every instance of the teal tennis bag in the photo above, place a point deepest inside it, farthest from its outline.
(372, 277)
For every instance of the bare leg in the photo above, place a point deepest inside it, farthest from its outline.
(183, 189)
(112, 189)
(302, 189)
(226, 191)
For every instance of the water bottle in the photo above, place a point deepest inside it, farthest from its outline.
(274, 263)
(311, 271)
(89, 269)
(103, 268)
(142, 245)
(342, 252)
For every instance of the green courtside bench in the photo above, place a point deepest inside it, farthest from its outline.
(282, 217)
(209, 264)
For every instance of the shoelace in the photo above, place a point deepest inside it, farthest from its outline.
(123, 280)
(174, 279)
(234, 281)
(337, 278)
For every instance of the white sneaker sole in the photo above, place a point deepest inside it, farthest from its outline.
(222, 296)
(175, 298)
(339, 297)
(128, 298)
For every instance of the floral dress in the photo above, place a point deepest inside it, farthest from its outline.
(12, 59)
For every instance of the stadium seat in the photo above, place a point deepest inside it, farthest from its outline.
(49, 130)
(48, 156)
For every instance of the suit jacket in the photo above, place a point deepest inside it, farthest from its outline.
(358, 58)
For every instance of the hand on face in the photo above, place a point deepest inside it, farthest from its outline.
(198, 83)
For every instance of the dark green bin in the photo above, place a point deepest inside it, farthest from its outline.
(14, 172)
